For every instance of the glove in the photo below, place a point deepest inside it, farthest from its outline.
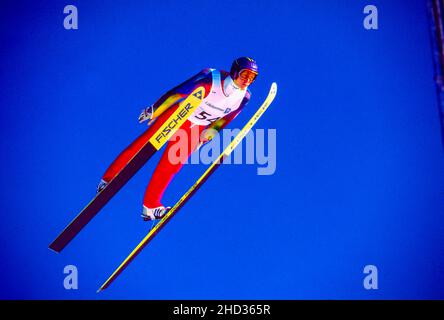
(146, 114)
(207, 135)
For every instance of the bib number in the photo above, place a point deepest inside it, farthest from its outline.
(204, 116)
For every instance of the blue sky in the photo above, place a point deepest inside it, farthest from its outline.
(359, 176)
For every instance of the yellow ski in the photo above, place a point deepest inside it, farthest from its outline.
(227, 151)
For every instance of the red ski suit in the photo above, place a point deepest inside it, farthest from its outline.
(166, 169)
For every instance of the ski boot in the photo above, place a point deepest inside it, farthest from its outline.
(157, 213)
(101, 185)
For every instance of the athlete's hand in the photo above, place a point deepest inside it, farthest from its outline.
(146, 114)
(207, 135)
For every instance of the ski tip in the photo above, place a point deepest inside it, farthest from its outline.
(100, 290)
(274, 86)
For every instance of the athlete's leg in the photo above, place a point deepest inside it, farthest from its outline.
(177, 151)
(127, 154)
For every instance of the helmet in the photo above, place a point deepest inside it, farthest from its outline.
(241, 64)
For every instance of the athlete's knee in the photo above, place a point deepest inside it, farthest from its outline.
(169, 169)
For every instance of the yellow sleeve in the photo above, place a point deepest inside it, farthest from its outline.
(166, 104)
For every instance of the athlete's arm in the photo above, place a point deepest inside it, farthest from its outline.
(181, 91)
(224, 121)
(221, 123)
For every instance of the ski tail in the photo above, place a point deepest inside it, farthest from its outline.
(158, 139)
(227, 151)
(102, 198)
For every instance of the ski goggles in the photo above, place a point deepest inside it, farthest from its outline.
(247, 75)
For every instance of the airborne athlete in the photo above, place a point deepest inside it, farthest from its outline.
(226, 94)
(187, 195)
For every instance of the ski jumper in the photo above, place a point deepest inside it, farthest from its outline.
(223, 101)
